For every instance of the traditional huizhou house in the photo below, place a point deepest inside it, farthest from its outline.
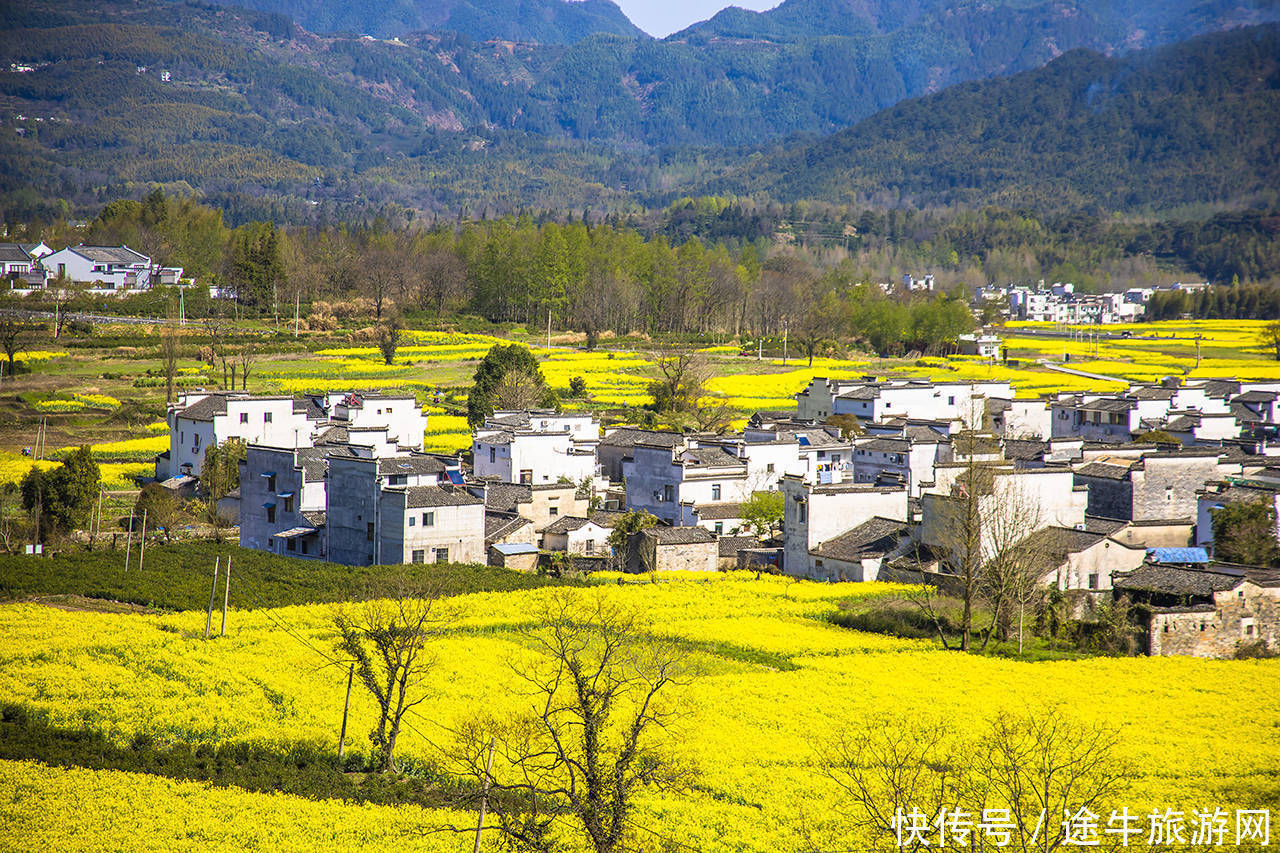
(857, 554)
(1211, 611)
(659, 549)
(576, 534)
(1082, 558)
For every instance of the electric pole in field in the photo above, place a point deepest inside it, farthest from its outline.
(346, 706)
(213, 592)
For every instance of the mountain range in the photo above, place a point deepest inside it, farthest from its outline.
(547, 103)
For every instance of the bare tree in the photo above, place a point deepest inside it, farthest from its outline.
(1034, 772)
(599, 687)
(442, 278)
(170, 350)
(517, 390)
(386, 639)
(247, 356)
(1046, 768)
(14, 329)
(885, 769)
(681, 385)
(978, 529)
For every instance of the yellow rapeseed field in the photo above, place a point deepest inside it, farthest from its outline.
(770, 682)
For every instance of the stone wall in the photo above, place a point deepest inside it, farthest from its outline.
(1240, 617)
(695, 557)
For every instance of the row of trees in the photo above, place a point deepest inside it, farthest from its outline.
(680, 270)
(603, 721)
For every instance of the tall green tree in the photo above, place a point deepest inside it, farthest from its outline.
(504, 367)
(61, 497)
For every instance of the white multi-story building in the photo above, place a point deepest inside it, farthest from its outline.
(203, 419)
(815, 516)
(669, 482)
(536, 447)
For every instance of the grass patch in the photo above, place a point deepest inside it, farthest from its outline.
(176, 577)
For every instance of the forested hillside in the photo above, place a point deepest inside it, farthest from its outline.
(541, 21)
(1190, 123)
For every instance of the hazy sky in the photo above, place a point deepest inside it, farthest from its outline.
(663, 17)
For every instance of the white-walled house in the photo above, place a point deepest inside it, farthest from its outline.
(821, 455)
(401, 509)
(910, 461)
(1012, 503)
(386, 423)
(669, 482)
(200, 420)
(586, 535)
(399, 414)
(814, 515)
(920, 399)
(536, 447)
(109, 268)
(283, 499)
(1013, 418)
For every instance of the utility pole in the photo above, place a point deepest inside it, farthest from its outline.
(213, 592)
(182, 306)
(128, 541)
(548, 327)
(226, 597)
(346, 706)
(95, 529)
(786, 327)
(142, 540)
(297, 299)
(484, 795)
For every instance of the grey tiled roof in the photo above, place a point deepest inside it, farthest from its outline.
(1057, 542)
(710, 457)
(1104, 470)
(1105, 526)
(1172, 580)
(506, 497)
(419, 496)
(1025, 449)
(112, 254)
(13, 253)
(630, 437)
(499, 525)
(719, 510)
(680, 535)
(875, 536)
(729, 546)
(567, 524)
(412, 464)
(316, 518)
(205, 408)
(886, 445)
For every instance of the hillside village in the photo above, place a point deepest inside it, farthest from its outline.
(1112, 493)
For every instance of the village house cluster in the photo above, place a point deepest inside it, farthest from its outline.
(102, 270)
(1114, 492)
(1060, 303)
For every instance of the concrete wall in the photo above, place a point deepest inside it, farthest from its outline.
(353, 505)
(1091, 568)
(1107, 497)
(255, 531)
(1240, 617)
